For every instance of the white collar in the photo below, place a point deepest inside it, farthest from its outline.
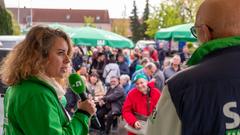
(52, 82)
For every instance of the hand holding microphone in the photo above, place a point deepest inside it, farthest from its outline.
(88, 106)
(77, 85)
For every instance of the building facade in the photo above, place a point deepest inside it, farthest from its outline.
(27, 17)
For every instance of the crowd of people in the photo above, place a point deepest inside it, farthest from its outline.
(119, 82)
(124, 82)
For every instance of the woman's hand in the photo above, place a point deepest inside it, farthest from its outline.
(138, 125)
(88, 106)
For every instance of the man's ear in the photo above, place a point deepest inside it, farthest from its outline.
(206, 34)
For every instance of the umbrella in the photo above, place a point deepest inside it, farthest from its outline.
(69, 30)
(89, 36)
(178, 33)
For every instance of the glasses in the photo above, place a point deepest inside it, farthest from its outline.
(151, 71)
(194, 29)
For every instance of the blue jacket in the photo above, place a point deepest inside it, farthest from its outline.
(124, 69)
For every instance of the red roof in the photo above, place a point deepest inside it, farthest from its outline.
(61, 15)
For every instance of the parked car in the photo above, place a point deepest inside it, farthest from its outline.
(144, 43)
(3, 53)
(7, 41)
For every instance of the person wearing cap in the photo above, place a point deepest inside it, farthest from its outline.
(138, 67)
(140, 102)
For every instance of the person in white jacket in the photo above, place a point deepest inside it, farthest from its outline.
(111, 69)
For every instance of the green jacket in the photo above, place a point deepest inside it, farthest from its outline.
(32, 108)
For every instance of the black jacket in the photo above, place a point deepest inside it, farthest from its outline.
(132, 67)
(115, 98)
(207, 96)
(124, 69)
(161, 54)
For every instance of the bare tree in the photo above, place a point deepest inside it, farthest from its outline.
(2, 4)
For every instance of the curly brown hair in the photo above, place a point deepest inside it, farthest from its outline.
(29, 56)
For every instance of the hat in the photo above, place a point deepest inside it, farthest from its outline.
(138, 67)
(139, 76)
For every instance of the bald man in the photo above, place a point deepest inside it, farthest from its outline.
(205, 98)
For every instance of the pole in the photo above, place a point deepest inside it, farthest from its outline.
(31, 14)
(18, 13)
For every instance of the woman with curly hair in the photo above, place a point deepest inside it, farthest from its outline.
(32, 71)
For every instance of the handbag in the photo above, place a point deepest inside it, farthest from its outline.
(136, 131)
(143, 121)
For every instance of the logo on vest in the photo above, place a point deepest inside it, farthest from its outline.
(229, 110)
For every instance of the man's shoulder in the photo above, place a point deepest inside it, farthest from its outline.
(159, 73)
(112, 65)
(168, 69)
(140, 71)
(120, 88)
(185, 75)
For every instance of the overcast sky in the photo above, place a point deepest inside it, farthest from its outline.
(115, 7)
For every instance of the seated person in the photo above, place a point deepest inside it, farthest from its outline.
(110, 104)
(125, 83)
(140, 102)
(95, 87)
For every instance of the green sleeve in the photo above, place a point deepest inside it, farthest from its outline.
(41, 116)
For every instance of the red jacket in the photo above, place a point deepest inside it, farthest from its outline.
(153, 55)
(136, 101)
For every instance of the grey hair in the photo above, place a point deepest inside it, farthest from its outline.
(150, 65)
(125, 77)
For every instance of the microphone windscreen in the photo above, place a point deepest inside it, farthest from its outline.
(76, 83)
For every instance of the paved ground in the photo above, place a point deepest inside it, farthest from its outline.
(120, 131)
